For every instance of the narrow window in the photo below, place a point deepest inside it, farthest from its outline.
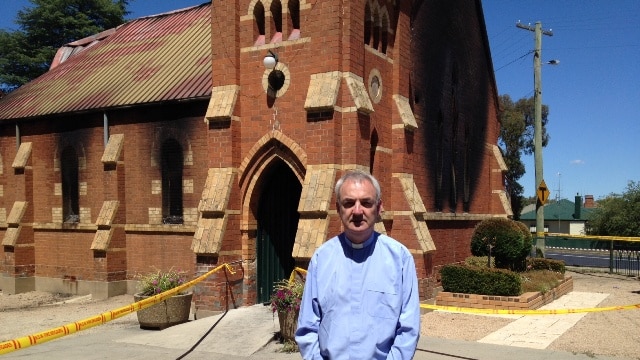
(276, 14)
(172, 163)
(372, 150)
(70, 188)
(384, 33)
(258, 15)
(368, 25)
(294, 13)
(376, 30)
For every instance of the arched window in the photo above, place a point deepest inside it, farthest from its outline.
(276, 14)
(172, 166)
(384, 33)
(376, 29)
(294, 13)
(368, 25)
(372, 150)
(70, 188)
(258, 14)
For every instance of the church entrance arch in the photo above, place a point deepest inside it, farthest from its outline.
(277, 222)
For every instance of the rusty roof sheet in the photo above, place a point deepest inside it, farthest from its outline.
(152, 59)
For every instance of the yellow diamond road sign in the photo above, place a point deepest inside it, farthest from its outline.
(543, 192)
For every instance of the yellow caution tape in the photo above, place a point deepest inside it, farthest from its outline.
(298, 270)
(598, 237)
(504, 311)
(527, 312)
(52, 334)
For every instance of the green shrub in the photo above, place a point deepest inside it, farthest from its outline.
(511, 242)
(477, 280)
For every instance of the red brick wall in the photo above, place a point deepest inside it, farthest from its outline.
(438, 61)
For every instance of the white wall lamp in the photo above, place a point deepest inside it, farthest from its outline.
(276, 78)
(270, 60)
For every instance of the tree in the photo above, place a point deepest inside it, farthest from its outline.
(517, 138)
(618, 215)
(508, 241)
(27, 53)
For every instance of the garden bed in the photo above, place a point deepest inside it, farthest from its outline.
(526, 301)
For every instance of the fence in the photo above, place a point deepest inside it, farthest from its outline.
(623, 252)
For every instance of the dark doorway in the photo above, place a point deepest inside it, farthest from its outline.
(277, 225)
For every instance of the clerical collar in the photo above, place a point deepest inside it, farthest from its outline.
(361, 245)
(356, 246)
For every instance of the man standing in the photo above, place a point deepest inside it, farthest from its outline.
(361, 298)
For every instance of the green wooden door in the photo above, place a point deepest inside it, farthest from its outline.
(277, 225)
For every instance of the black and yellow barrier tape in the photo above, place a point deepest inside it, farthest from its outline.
(71, 328)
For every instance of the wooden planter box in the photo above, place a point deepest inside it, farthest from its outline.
(172, 311)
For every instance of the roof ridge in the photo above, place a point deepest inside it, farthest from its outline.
(171, 12)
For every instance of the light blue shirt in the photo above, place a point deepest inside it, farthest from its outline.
(360, 303)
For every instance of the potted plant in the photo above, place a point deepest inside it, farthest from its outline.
(167, 311)
(286, 300)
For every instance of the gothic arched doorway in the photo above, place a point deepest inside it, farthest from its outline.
(277, 225)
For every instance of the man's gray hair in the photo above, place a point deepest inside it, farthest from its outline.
(358, 176)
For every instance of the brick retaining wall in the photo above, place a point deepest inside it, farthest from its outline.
(526, 301)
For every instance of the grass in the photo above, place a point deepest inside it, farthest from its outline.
(540, 280)
(289, 346)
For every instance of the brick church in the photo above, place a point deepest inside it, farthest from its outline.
(214, 134)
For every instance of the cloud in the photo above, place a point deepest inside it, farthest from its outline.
(577, 162)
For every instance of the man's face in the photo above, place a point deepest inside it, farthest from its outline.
(358, 209)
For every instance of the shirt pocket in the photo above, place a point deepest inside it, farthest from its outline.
(383, 302)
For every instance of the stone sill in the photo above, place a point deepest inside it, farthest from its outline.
(526, 301)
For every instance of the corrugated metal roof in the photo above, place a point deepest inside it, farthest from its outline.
(562, 209)
(151, 59)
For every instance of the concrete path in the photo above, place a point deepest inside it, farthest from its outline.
(247, 334)
(539, 331)
(239, 332)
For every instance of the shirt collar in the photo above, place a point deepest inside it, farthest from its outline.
(362, 245)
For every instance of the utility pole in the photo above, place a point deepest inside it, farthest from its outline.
(537, 137)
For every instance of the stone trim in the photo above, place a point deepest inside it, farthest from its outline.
(310, 235)
(113, 149)
(406, 114)
(317, 189)
(498, 155)
(217, 190)
(11, 236)
(17, 212)
(23, 155)
(107, 213)
(102, 239)
(13, 223)
(323, 91)
(359, 93)
(418, 212)
(379, 227)
(411, 193)
(222, 103)
(209, 234)
(212, 219)
(315, 202)
(504, 200)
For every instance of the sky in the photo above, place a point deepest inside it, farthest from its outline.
(593, 93)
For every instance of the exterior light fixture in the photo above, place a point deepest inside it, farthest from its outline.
(275, 77)
(270, 60)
